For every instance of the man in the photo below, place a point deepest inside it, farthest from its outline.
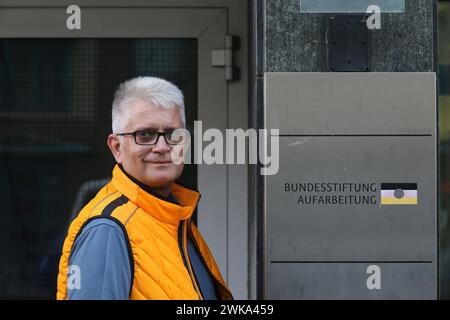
(135, 239)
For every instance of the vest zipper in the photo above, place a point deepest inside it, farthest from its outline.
(216, 282)
(182, 243)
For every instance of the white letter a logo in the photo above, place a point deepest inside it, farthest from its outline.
(74, 20)
(374, 21)
(374, 280)
(74, 277)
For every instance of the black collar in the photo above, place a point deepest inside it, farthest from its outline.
(150, 190)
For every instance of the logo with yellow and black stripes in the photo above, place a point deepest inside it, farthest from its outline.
(398, 193)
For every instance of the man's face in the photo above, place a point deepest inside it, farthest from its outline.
(151, 165)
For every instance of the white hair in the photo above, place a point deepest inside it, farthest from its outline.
(156, 91)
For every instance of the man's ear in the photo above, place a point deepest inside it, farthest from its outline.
(113, 142)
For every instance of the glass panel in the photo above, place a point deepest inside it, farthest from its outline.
(444, 128)
(350, 6)
(55, 115)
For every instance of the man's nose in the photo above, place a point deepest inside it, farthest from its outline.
(161, 145)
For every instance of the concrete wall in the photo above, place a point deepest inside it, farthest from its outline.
(295, 42)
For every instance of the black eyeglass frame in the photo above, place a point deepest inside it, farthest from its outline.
(159, 133)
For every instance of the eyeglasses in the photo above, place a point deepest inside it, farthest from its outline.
(150, 138)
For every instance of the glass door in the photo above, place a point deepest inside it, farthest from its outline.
(56, 90)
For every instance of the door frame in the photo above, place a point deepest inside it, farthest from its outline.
(223, 214)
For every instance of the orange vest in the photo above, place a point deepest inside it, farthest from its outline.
(157, 234)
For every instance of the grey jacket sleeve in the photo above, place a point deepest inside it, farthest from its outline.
(99, 265)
